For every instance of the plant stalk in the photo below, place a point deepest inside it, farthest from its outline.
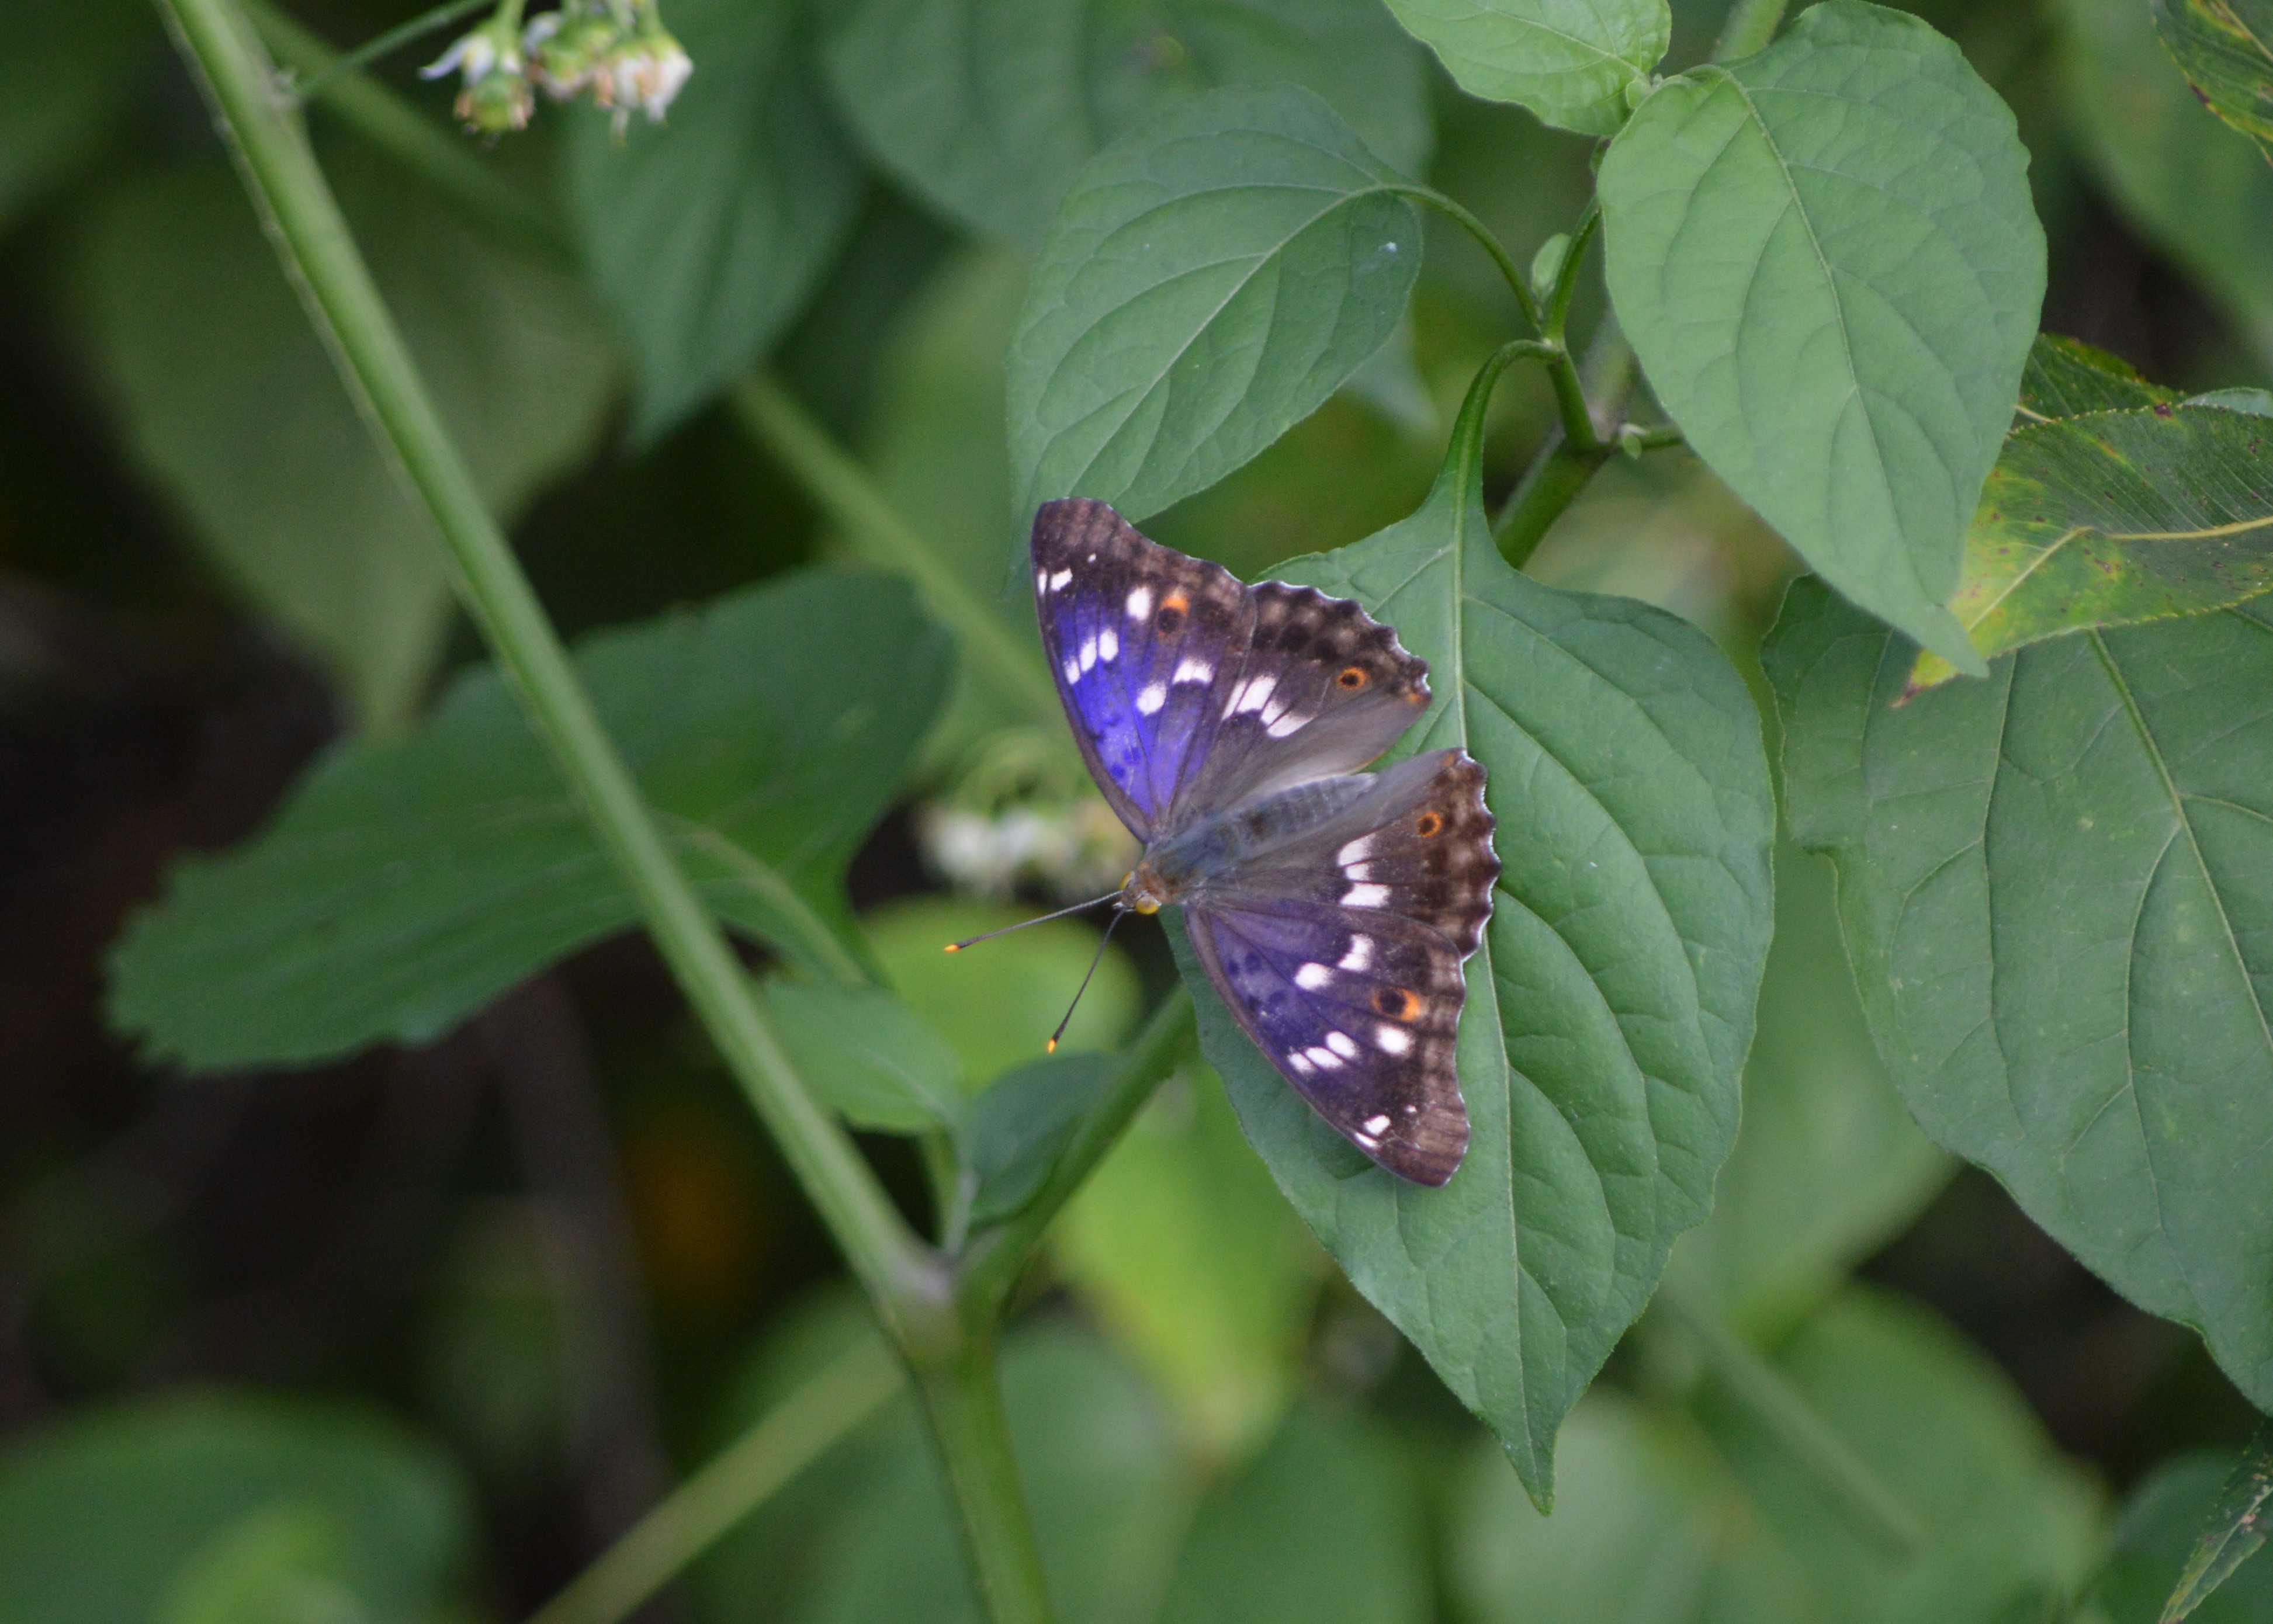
(1758, 1387)
(962, 1399)
(302, 218)
(699, 1512)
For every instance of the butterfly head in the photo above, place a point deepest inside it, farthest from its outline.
(1146, 891)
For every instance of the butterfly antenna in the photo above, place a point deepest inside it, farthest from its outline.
(1095, 959)
(984, 936)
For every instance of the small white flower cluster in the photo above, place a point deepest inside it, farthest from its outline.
(617, 49)
(1069, 850)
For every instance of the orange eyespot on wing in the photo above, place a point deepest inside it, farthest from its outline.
(1351, 678)
(1168, 619)
(1430, 824)
(1397, 1003)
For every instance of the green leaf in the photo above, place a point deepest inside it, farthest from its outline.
(2155, 1539)
(159, 1506)
(1324, 1526)
(2234, 1530)
(2225, 50)
(868, 1057)
(2114, 518)
(2087, 1018)
(1181, 1242)
(1610, 1005)
(706, 235)
(1946, 1434)
(1020, 1126)
(404, 886)
(2190, 187)
(1648, 1529)
(998, 1004)
(1039, 85)
(1827, 1167)
(1827, 262)
(280, 1565)
(2066, 378)
(226, 399)
(1208, 283)
(1569, 61)
(65, 81)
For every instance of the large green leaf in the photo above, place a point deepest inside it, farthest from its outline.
(222, 392)
(162, 1507)
(2066, 377)
(1183, 1244)
(1828, 1166)
(1827, 262)
(1663, 1522)
(2114, 518)
(868, 1057)
(2055, 889)
(1324, 1526)
(2154, 1544)
(403, 885)
(706, 235)
(2197, 189)
(65, 80)
(2225, 50)
(1610, 1005)
(1208, 283)
(1570, 61)
(1946, 1437)
(1039, 85)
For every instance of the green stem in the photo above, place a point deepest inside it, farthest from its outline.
(440, 157)
(1553, 480)
(1518, 282)
(305, 85)
(1751, 24)
(963, 1402)
(1566, 275)
(998, 1255)
(843, 490)
(1759, 1388)
(699, 1512)
(289, 189)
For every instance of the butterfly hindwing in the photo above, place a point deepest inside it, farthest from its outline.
(1339, 948)
(1188, 691)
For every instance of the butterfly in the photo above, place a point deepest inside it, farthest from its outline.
(1330, 909)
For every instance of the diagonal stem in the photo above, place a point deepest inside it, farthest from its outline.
(302, 218)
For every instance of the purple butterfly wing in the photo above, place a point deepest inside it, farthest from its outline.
(1188, 691)
(1339, 951)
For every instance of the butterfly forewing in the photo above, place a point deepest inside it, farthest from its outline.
(1188, 691)
(1339, 949)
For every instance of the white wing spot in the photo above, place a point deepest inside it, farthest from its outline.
(1310, 977)
(1357, 852)
(1154, 696)
(1072, 670)
(1059, 582)
(1393, 1039)
(1253, 694)
(1324, 1059)
(1360, 955)
(1365, 1141)
(1109, 644)
(1088, 653)
(1376, 1125)
(1341, 1044)
(1365, 896)
(1194, 670)
(1288, 725)
(1301, 1063)
(1140, 602)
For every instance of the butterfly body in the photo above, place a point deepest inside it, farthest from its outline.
(1331, 909)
